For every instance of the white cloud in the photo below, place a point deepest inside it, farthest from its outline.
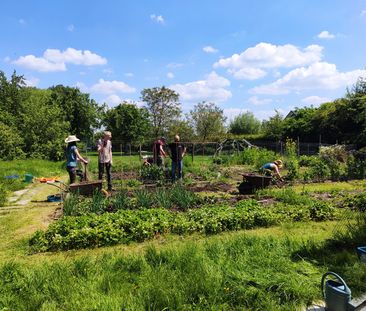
(129, 74)
(363, 13)
(110, 87)
(56, 60)
(71, 28)
(325, 34)
(157, 18)
(210, 89)
(255, 101)
(315, 100)
(32, 81)
(319, 75)
(252, 63)
(210, 49)
(39, 64)
(170, 75)
(248, 73)
(113, 100)
(73, 56)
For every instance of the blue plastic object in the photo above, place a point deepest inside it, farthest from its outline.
(361, 252)
(54, 198)
(12, 177)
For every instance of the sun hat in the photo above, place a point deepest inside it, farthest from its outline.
(278, 163)
(71, 138)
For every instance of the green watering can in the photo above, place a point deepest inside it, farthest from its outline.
(337, 295)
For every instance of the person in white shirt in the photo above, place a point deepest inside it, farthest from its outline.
(105, 157)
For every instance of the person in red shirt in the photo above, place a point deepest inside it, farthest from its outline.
(158, 151)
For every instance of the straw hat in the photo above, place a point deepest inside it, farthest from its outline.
(278, 163)
(71, 138)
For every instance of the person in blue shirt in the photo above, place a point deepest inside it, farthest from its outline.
(72, 157)
(273, 168)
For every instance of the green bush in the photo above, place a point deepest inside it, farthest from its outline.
(152, 173)
(3, 194)
(355, 202)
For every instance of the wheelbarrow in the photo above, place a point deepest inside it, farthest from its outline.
(252, 182)
(86, 188)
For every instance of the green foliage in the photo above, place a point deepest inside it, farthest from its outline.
(356, 165)
(256, 157)
(163, 107)
(208, 120)
(333, 157)
(152, 173)
(128, 123)
(291, 163)
(137, 225)
(317, 171)
(245, 123)
(81, 113)
(273, 128)
(355, 202)
(3, 194)
(11, 143)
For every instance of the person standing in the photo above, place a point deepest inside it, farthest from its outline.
(105, 157)
(72, 157)
(158, 152)
(177, 152)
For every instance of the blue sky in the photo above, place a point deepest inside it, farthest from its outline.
(242, 55)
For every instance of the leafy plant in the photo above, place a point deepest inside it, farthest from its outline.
(152, 173)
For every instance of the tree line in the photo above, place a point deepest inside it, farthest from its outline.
(34, 122)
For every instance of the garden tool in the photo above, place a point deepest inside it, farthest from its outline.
(337, 295)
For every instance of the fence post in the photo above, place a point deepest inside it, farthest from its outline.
(140, 152)
(203, 149)
(192, 152)
(121, 149)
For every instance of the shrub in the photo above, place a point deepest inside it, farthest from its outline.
(152, 172)
(355, 202)
(3, 194)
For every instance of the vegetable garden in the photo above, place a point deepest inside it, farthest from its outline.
(196, 244)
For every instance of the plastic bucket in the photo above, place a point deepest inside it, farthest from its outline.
(28, 177)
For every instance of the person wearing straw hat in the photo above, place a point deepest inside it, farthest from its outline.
(105, 158)
(72, 157)
(273, 168)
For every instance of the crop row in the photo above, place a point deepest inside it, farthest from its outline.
(124, 226)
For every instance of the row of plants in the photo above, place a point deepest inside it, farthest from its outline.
(124, 226)
(177, 197)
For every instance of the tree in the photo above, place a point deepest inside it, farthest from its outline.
(208, 120)
(182, 128)
(11, 143)
(163, 107)
(82, 113)
(245, 123)
(273, 128)
(303, 124)
(11, 98)
(127, 122)
(43, 128)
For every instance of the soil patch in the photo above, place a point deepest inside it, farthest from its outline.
(212, 187)
(124, 175)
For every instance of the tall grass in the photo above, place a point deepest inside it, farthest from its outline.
(238, 273)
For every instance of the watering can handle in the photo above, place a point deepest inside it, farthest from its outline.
(335, 275)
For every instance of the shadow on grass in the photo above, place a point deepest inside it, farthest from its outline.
(338, 254)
